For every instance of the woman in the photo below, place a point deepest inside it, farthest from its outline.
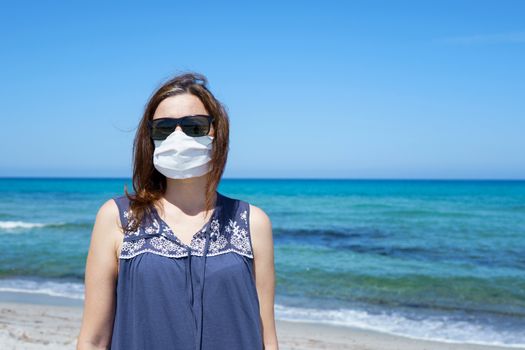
(159, 275)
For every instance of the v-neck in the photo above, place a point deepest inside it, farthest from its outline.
(168, 228)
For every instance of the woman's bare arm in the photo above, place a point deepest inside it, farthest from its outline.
(100, 280)
(263, 252)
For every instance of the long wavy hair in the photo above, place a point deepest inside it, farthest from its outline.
(148, 183)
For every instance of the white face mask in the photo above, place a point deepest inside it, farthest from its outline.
(180, 156)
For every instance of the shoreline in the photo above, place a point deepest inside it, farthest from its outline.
(39, 321)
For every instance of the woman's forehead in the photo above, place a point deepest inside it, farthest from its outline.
(179, 106)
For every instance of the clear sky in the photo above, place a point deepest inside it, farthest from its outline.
(331, 89)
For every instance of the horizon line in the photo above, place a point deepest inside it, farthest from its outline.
(265, 178)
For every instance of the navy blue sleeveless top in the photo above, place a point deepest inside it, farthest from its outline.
(173, 296)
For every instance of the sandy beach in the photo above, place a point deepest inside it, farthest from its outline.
(35, 321)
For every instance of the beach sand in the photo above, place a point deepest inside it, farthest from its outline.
(35, 321)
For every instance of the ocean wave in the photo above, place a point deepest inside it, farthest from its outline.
(11, 225)
(70, 290)
(437, 328)
(20, 225)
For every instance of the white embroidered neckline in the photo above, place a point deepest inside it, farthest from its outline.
(157, 237)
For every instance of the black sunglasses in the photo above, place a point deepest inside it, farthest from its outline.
(192, 125)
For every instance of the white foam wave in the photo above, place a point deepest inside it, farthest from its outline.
(12, 225)
(441, 328)
(69, 290)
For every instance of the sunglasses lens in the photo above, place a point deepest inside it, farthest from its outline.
(162, 128)
(198, 125)
(195, 126)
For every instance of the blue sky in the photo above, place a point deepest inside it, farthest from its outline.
(346, 89)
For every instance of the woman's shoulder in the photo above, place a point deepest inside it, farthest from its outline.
(122, 201)
(234, 201)
(106, 231)
(253, 220)
(108, 209)
(122, 204)
(249, 212)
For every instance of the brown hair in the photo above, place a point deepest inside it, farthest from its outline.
(148, 183)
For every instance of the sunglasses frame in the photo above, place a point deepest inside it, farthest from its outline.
(178, 122)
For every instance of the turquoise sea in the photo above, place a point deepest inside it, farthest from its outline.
(427, 259)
